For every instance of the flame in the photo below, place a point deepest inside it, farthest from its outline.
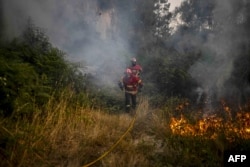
(212, 125)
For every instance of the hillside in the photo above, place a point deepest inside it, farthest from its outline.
(67, 135)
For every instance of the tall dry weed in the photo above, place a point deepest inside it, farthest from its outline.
(68, 135)
(62, 135)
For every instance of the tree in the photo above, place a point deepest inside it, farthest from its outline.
(196, 15)
(239, 81)
(31, 70)
(163, 18)
(218, 31)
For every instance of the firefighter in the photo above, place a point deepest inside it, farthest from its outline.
(136, 68)
(130, 84)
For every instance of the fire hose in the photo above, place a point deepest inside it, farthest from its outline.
(131, 125)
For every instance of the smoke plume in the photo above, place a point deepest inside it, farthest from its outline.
(86, 30)
(219, 52)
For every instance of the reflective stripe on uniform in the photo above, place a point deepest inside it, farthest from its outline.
(132, 92)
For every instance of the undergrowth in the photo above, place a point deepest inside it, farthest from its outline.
(71, 135)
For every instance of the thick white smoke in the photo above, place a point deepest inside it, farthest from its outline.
(78, 27)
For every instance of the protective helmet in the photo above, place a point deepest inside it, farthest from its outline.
(128, 71)
(133, 59)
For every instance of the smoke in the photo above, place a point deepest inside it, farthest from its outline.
(215, 66)
(219, 52)
(85, 29)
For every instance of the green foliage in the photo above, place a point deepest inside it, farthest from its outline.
(31, 70)
(19, 80)
(196, 14)
(104, 98)
(168, 76)
(203, 19)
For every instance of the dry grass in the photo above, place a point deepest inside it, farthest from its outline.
(68, 135)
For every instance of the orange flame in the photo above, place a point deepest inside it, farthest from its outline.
(213, 125)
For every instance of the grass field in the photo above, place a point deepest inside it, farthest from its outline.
(67, 135)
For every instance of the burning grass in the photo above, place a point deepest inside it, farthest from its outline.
(209, 126)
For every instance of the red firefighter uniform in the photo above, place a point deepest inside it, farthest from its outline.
(135, 68)
(131, 84)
